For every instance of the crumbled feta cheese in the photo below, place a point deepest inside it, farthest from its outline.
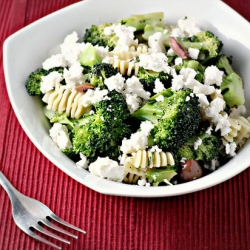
(239, 111)
(170, 52)
(156, 61)
(188, 25)
(193, 53)
(143, 182)
(159, 98)
(133, 85)
(187, 99)
(73, 76)
(133, 102)
(71, 49)
(102, 51)
(230, 149)
(49, 81)
(59, 134)
(57, 60)
(107, 168)
(213, 76)
(178, 61)
(125, 35)
(176, 32)
(115, 82)
(203, 101)
(212, 165)
(138, 140)
(155, 43)
(159, 87)
(83, 163)
(209, 129)
(177, 82)
(197, 143)
(155, 149)
(93, 96)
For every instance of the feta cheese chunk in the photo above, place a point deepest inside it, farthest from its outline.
(156, 61)
(115, 82)
(213, 76)
(155, 43)
(83, 163)
(59, 134)
(73, 76)
(107, 168)
(57, 60)
(188, 25)
(93, 96)
(50, 81)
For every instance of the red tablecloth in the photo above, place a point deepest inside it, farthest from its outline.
(214, 219)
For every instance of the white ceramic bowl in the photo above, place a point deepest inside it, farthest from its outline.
(25, 50)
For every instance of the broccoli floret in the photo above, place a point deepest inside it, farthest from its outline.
(99, 72)
(193, 64)
(33, 82)
(104, 131)
(148, 77)
(232, 84)
(96, 36)
(140, 21)
(205, 152)
(205, 41)
(175, 120)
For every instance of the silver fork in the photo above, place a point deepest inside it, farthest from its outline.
(30, 215)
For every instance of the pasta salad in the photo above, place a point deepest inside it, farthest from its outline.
(144, 102)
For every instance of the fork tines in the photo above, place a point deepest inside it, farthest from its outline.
(50, 225)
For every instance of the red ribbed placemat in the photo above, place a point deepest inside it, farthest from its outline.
(213, 219)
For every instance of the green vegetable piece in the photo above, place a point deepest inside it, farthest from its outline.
(232, 90)
(89, 56)
(158, 175)
(140, 21)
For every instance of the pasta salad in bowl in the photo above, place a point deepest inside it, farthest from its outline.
(142, 102)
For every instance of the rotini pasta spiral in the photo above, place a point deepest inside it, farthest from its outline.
(147, 159)
(63, 99)
(240, 131)
(124, 60)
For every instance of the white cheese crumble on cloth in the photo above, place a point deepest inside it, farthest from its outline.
(50, 81)
(107, 168)
(59, 134)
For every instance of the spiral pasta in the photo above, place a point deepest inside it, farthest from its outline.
(63, 99)
(147, 159)
(124, 60)
(240, 131)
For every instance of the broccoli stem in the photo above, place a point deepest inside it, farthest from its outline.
(140, 21)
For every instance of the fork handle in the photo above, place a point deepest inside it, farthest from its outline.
(11, 191)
